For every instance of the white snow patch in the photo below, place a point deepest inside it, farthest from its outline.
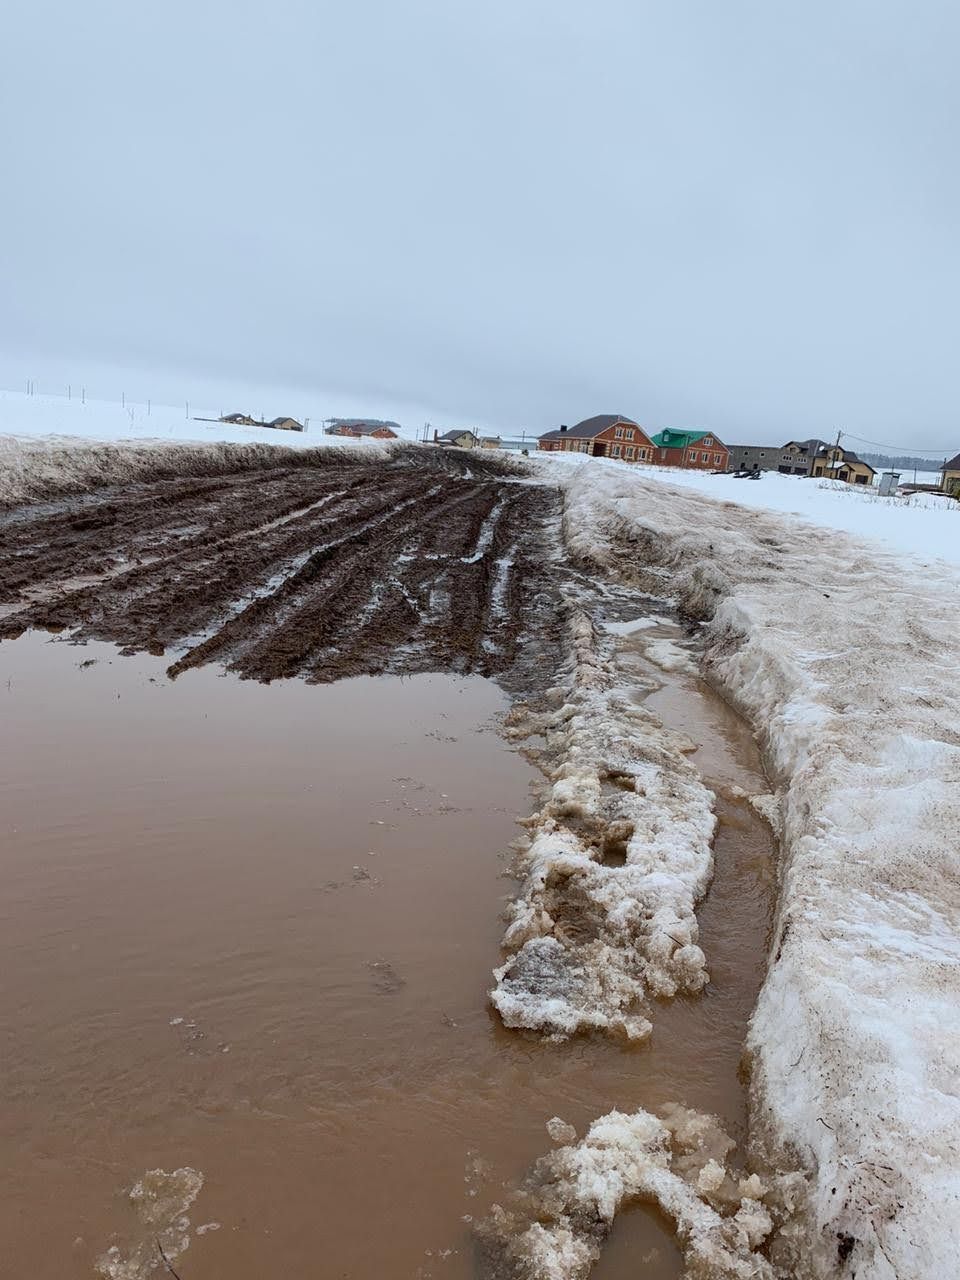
(925, 525)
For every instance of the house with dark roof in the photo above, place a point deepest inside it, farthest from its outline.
(284, 424)
(460, 437)
(606, 435)
(240, 420)
(700, 450)
(835, 463)
(950, 476)
(363, 428)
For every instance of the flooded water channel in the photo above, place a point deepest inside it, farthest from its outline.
(249, 929)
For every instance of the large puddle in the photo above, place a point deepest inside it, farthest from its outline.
(250, 929)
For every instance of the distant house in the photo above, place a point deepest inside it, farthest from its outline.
(284, 424)
(795, 458)
(363, 428)
(950, 476)
(701, 450)
(240, 420)
(607, 435)
(834, 463)
(458, 437)
(490, 442)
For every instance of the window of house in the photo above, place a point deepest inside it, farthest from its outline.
(615, 450)
(860, 479)
(663, 453)
(628, 453)
(708, 441)
(630, 434)
(643, 455)
(693, 455)
(619, 433)
(718, 459)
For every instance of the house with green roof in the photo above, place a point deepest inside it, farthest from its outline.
(701, 450)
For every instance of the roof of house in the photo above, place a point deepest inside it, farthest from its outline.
(806, 446)
(953, 464)
(846, 456)
(457, 433)
(284, 417)
(590, 427)
(362, 426)
(670, 438)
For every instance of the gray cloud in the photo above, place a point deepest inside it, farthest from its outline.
(741, 215)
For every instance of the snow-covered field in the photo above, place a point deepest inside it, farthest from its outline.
(926, 525)
(845, 658)
(103, 420)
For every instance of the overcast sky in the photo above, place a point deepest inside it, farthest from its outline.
(741, 216)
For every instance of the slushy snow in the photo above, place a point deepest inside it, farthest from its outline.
(619, 856)
(845, 658)
(554, 1225)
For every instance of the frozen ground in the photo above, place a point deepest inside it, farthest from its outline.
(845, 657)
(924, 524)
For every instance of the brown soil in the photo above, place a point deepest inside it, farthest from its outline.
(393, 565)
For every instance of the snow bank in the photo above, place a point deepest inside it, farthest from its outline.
(846, 660)
(924, 524)
(553, 1227)
(39, 470)
(619, 856)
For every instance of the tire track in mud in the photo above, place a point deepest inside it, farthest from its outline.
(319, 572)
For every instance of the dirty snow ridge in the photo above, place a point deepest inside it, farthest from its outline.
(554, 1226)
(845, 659)
(618, 858)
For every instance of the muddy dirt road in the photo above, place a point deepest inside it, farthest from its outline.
(316, 572)
(249, 931)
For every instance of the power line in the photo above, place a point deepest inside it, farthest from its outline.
(894, 448)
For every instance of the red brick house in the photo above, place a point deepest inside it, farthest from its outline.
(608, 435)
(367, 428)
(699, 450)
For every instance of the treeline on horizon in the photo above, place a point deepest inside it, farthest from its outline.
(902, 462)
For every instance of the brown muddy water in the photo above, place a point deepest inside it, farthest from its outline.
(250, 929)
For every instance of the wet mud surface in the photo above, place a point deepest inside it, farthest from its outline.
(315, 572)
